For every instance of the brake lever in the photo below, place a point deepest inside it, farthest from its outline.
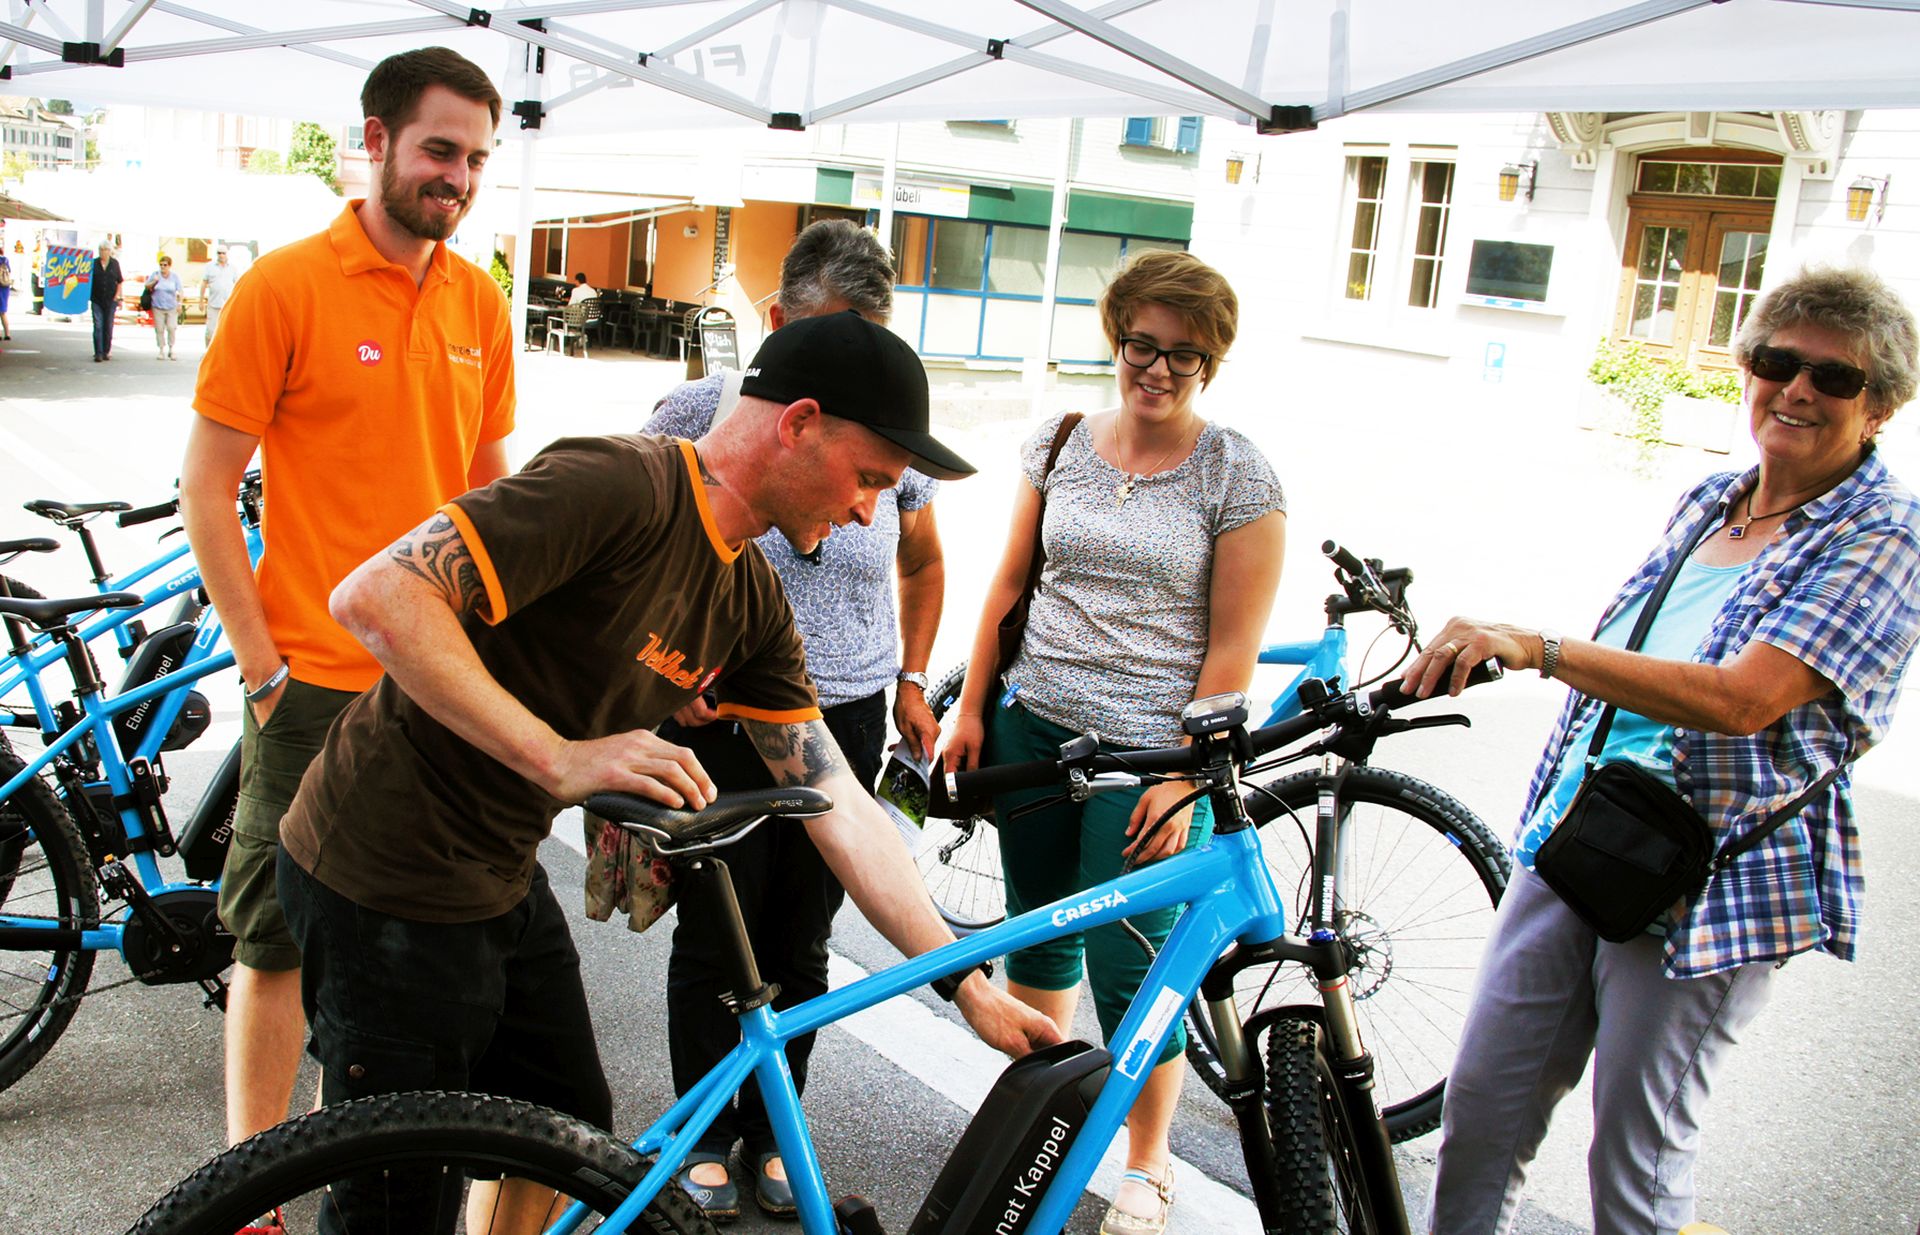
(1396, 724)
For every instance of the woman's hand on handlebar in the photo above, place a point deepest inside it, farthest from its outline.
(1167, 839)
(964, 742)
(1463, 643)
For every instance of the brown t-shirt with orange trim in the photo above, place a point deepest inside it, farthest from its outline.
(614, 602)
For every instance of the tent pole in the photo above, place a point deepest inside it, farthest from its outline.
(1036, 365)
(523, 234)
(889, 175)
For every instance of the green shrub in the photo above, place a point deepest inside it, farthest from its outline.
(501, 275)
(1626, 370)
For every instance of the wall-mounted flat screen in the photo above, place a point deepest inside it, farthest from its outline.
(1506, 270)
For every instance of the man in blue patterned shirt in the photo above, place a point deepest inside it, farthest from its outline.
(1774, 660)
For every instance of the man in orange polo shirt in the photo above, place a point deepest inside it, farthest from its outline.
(373, 368)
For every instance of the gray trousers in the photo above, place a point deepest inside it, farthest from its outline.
(1551, 995)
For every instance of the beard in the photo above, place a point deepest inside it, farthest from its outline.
(404, 206)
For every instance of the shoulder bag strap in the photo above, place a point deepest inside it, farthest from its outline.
(1039, 558)
(1642, 625)
(1734, 848)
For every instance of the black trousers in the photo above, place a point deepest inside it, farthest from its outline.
(788, 898)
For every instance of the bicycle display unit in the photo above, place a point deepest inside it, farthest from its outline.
(1317, 1151)
(83, 826)
(1414, 876)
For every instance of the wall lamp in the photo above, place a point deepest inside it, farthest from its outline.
(1510, 177)
(1237, 166)
(1867, 195)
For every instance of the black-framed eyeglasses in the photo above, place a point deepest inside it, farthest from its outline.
(1830, 377)
(1181, 361)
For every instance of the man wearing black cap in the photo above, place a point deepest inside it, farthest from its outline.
(533, 632)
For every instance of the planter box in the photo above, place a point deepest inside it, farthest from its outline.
(1705, 424)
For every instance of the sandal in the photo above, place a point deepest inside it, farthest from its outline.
(719, 1202)
(1119, 1222)
(774, 1196)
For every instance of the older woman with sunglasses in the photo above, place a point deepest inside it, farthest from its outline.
(1163, 537)
(1772, 662)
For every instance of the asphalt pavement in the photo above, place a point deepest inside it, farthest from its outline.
(1509, 513)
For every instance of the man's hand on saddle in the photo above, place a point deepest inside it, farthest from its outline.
(639, 762)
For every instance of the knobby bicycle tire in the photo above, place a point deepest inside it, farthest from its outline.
(43, 876)
(396, 1140)
(1422, 889)
(1321, 1186)
(960, 858)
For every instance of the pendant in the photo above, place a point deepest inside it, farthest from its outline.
(1123, 491)
(1737, 532)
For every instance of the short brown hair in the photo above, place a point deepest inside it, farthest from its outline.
(393, 89)
(1183, 283)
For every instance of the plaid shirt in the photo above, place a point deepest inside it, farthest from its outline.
(1838, 588)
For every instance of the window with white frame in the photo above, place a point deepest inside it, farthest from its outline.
(1394, 227)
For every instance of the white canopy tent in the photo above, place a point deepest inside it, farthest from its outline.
(614, 66)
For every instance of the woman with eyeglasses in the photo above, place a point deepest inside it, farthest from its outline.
(1773, 661)
(1162, 537)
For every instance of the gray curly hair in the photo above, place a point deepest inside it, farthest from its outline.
(1853, 302)
(836, 259)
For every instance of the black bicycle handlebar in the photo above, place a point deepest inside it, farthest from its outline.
(955, 795)
(1344, 559)
(147, 514)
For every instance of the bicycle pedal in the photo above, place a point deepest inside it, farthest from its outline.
(856, 1215)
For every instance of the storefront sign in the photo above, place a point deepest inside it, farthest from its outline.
(942, 198)
(68, 277)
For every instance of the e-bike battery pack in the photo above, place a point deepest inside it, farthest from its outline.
(1015, 1144)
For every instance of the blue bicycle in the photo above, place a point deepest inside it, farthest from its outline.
(83, 825)
(1405, 874)
(1318, 1155)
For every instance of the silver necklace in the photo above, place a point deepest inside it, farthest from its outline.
(1128, 479)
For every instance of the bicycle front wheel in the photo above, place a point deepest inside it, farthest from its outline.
(960, 858)
(1321, 1184)
(404, 1162)
(45, 883)
(1415, 900)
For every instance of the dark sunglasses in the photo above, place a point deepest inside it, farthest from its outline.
(1830, 377)
(1181, 361)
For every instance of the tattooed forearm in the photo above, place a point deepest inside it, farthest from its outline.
(436, 552)
(803, 754)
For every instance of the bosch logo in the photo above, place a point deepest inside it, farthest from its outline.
(369, 353)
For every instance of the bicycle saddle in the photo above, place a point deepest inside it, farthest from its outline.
(49, 613)
(728, 818)
(31, 544)
(67, 512)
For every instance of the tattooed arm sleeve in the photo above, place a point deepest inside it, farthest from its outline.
(802, 754)
(436, 552)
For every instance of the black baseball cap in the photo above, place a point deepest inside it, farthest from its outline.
(856, 371)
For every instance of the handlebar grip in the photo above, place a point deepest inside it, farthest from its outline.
(1343, 559)
(1389, 696)
(974, 790)
(147, 514)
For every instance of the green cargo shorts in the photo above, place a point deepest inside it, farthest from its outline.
(273, 758)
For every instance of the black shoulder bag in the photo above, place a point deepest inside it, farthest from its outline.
(1629, 847)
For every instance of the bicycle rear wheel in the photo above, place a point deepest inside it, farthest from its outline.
(960, 858)
(405, 1161)
(44, 881)
(1415, 904)
(1322, 1185)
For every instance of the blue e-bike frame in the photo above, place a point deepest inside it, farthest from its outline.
(99, 710)
(1228, 894)
(44, 652)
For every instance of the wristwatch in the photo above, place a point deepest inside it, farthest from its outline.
(947, 986)
(1549, 652)
(918, 679)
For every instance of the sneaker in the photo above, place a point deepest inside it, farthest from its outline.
(1119, 1222)
(265, 1224)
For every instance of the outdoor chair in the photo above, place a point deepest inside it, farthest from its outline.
(568, 325)
(596, 313)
